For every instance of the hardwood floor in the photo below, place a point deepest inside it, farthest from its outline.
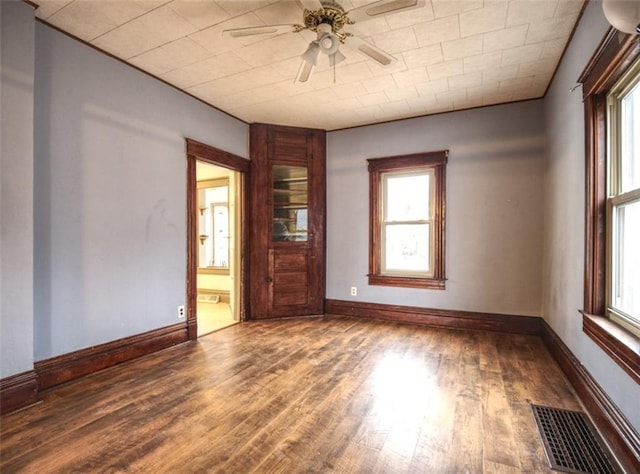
(213, 317)
(328, 394)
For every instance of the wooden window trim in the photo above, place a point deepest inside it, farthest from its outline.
(436, 160)
(616, 53)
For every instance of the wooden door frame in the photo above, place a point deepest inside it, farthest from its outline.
(197, 151)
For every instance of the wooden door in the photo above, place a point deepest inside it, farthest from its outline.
(288, 221)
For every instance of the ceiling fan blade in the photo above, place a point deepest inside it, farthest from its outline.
(383, 7)
(311, 4)
(258, 30)
(312, 53)
(304, 71)
(373, 52)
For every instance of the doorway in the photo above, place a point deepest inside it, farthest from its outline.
(217, 304)
(216, 243)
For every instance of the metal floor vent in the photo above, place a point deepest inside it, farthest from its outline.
(571, 442)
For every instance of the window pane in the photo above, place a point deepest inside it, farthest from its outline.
(406, 248)
(221, 236)
(407, 197)
(290, 201)
(626, 251)
(630, 141)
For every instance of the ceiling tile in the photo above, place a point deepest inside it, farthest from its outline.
(89, 20)
(47, 8)
(365, 29)
(553, 48)
(411, 77)
(283, 12)
(482, 62)
(445, 69)
(522, 54)
(461, 48)
(207, 70)
(396, 41)
(411, 17)
(443, 8)
(549, 30)
(437, 31)
(403, 93)
(395, 109)
(377, 84)
(200, 13)
(371, 99)
(146, 32)
(490, 18)
(464, 81)
(171, 56)
(505, 39)
(236, 7)
(491, 76)
(539, 67)
(524, 11)
(423, 56)
(432, 87)
(569, 8)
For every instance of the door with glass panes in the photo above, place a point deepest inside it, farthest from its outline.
(288, 208)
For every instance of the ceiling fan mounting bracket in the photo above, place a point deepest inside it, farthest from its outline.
(331, 14)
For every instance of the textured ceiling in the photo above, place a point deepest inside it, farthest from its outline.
(451, 55)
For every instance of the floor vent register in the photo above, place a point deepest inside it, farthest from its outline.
(571, 442)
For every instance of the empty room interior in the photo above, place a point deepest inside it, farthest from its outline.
(316, 236)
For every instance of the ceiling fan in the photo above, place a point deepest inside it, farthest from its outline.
(327, 19)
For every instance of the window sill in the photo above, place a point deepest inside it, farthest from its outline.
(621, 345)
(407, 282)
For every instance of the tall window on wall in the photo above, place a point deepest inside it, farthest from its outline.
(611, 93)
(623, 200)
(407, 216)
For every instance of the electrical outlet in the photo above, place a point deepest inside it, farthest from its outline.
(181, 312)
(354, 291)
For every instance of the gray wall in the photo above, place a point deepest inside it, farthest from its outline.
(564, 201)
(110, 195)
(494, 208)
(16, 187)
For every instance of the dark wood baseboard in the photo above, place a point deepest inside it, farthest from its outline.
(623, 439)
(437, 317)
(67, 367)
(18, 391)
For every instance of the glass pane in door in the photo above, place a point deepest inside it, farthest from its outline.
(290, 203)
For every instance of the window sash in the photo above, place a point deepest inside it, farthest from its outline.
(421, 249)
(622, 303)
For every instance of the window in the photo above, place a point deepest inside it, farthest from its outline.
(623, 200)
(611, 204)
(407, 203)
(213, 204)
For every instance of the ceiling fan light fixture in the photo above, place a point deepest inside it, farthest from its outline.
(329, 43)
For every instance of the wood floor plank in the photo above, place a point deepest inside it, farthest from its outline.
(327, 394)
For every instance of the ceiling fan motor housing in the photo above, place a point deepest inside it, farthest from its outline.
(330, 14)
